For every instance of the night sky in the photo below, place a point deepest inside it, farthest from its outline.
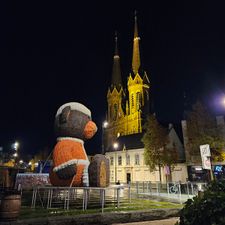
(56, 53)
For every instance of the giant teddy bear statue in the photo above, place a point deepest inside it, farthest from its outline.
(73, 125)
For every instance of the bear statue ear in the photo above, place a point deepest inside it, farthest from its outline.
(64, 115)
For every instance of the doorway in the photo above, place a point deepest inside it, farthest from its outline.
(128, 178)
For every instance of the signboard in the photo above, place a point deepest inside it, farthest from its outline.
(28, 180)
(205, 155)
(205, 150)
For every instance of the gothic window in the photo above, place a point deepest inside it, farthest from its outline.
(115, 112)
(132, 101)
(137, 159)
(110, 111)
(127, 160)
(119, 160)
(111, 161)
(138, 100)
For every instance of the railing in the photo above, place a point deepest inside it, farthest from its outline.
(79, 197)
(171, 190)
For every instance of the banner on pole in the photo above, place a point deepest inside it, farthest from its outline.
(205, 155)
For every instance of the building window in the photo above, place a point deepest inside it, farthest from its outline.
(137, 159)
(138, 100)
(110, 112)
(112, 175)
(111, 161)
(119, 160)
(127, 160)
(115, 112)
(132, 101)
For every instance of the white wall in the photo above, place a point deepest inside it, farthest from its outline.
(140, 172)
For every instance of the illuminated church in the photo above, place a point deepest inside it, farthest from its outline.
(128, 107)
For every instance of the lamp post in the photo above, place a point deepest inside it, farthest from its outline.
(15, 147)
(104, 126)
(115, 146)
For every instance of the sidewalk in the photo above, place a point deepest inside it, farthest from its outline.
(169, 197)
(170, 221)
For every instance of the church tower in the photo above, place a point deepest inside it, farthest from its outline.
(115, 91)
(138, 88)
(126, 112)
(115, 98)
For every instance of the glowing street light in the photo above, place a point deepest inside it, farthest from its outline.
(15, 145)
(223, 101)
(21, 161)
(104, 126)
(115, 146)
(15, 154)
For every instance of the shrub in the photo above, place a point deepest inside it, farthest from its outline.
(206, 210)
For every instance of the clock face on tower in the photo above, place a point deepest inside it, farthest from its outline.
(115, 112)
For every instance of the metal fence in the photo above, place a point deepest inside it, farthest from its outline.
(79, 197)
(113, 196)
(172, 190)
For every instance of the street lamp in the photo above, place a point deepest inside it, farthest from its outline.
(104, 126)
(16, 145)
(115, 147)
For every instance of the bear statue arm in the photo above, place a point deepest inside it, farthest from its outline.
(67, 172)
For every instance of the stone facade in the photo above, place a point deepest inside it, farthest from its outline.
(128, 166)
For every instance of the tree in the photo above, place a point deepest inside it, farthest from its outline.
(42, 154)
(207, 209)
(202, 129)
(156, 149)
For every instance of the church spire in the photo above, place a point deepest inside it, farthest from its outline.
(116, 53)
(136, 60)
(116, 72)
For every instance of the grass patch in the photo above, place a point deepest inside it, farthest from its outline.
(136, 204)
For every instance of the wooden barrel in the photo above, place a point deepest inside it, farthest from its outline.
(99, 171)
(10, 207)
(102, 174)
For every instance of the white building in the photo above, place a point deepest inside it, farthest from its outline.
(127, 161)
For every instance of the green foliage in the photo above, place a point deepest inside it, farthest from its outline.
(156, 140)
(206, 210)
(202, 129)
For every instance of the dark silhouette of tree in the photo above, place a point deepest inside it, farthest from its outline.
(202, 129)
(157, 152)
(42, 154)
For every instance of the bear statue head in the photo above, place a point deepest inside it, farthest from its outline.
(74, 120)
